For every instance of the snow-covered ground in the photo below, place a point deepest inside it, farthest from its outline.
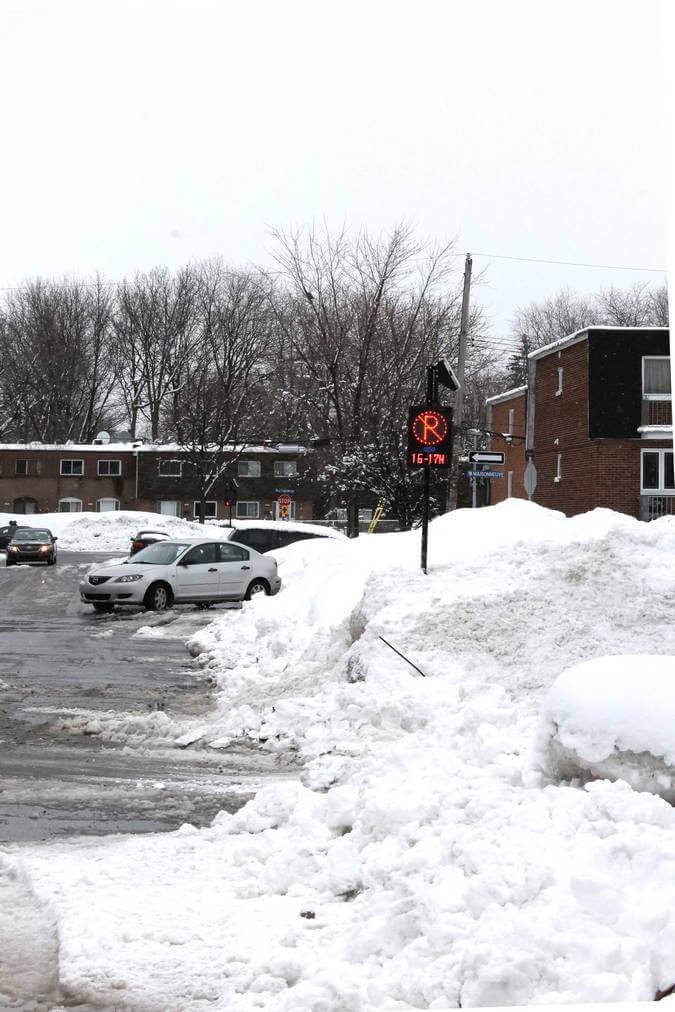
(427, 857)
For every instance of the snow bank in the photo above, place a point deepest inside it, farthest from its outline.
(105, 532)
(423, 860)
(614, 718)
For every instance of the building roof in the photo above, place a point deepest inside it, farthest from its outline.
(145, 448)
(581, 335)
(507, 395)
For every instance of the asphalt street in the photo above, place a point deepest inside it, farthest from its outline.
(58, 656)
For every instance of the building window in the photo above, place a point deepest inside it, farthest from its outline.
(72, 468)
(170, 468)
(210, 510)
(22, 466)
(248, 510)
(558, 468)
(70, 505)
(248, 468)
(657, 472)
(509, 485)
(107, 505)
(559, 388)
(512, 414)
(285, 468)
(169, 507)
(109, 468)
(656, 377)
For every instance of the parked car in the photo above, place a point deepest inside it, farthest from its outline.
(266, 535)
(7, 533)
(145, 538)
(169, 572)
(32, 544)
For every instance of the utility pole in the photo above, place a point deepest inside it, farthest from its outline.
(461, 363)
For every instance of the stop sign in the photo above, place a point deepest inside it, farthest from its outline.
(284, 500)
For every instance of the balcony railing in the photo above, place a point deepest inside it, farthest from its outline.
(654, 506)
(657, 412)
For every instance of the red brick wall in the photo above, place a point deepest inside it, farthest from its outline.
(514, 452)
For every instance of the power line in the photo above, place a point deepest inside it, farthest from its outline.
(567, 263)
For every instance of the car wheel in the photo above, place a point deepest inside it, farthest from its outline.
(103, 607)
(8, 563)
(158, 597)
(256, 587)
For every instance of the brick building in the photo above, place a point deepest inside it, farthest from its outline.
(599, 429)
(102, 476)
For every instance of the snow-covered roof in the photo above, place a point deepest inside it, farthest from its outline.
(581, 335)
(656, 431)
(146, 448)
(507, 395)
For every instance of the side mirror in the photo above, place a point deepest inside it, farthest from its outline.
(55, 539)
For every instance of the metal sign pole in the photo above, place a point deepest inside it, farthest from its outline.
(425, 519)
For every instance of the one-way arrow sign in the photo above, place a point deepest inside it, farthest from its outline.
(485, 457)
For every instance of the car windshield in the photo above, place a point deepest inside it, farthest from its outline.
(32, 535)
(161, 554)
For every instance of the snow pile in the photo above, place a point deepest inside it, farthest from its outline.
(423, 860)
(614, 718)
(105, 532)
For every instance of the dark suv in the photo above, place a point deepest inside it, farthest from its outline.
(265, 539)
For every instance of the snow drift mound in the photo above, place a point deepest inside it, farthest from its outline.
(613, 718)
(108, 532)
(515, 595)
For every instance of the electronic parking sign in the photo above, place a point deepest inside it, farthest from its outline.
(429, 437)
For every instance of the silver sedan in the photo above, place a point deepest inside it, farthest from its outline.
(199, 572)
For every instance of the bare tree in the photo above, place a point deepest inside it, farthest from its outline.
(157, 328)
(217, 401)
(363, 318)
(56, 359)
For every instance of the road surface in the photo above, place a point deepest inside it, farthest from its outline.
(57, 655)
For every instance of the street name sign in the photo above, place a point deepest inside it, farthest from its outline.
(485, 474)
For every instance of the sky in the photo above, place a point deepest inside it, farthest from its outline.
(147, 133)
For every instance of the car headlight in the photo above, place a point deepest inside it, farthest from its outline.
(128, 579)
(12, 548)
(45, 548)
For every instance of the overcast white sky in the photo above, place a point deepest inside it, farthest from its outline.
(146, 133)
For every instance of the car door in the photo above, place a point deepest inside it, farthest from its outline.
(235, 569)
(197, 574)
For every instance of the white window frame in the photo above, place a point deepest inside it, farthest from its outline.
(71, 460)
(653, 397)
(175, 502)
(209, 515)
(559, 388)
(248, 468)
(172, 460)
(107, 498)
(661, 490)
(109, 461)
(247, 516)
(17, 472)
(280, 467)
(70, 499)
(558, 467)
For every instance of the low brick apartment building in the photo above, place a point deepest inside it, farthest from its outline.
(108, 475)
(598, 424)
